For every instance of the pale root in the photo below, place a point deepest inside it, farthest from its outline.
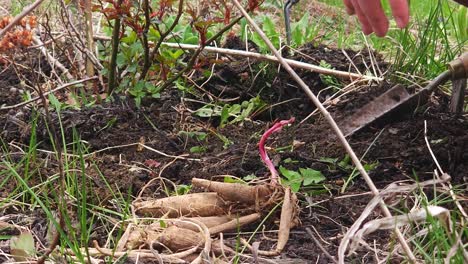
(236, 192)
(196, 204)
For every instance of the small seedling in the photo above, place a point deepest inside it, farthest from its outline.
(329, 80)
(232, 114)
(303, 177)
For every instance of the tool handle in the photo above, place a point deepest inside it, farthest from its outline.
(459, 67)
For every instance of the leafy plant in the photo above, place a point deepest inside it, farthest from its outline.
(137, 53)
(304, 31)
(329, 80)
(232, 114)
(197, 135)
(269, 28)
(303, 177)
(183, 189)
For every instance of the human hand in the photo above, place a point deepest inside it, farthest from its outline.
(372, 17)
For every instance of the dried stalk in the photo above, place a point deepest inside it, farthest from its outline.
(249, 54)
(54, 63)
(89, 37)
(293, 63)
(450, 188)
(332, 123)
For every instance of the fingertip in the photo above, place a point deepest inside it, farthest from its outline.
(381, 30)
(381, 33)
(367, 30)
(349, 7)
(401, 22)
(400, 11)
(349, 11)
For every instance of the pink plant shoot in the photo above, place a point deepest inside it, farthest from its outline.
(261, 147)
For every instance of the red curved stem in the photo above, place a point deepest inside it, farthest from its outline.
(261, 147)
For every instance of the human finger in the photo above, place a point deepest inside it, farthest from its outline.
(365, 26)
(375, 16)
(400, 12)
(349, 7)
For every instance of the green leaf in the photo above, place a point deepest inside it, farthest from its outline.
(121, 60)
(270, 30)
(228, 179)
(153, 35)
(289, 160)
(329, 160)
(175, 55)
(183, 189)
(200, 135)
(290, 174)
(132, 68)
(55, 102)
(294, 184)
(370, 166)
(224, 115)
(311, 176)
(250, 177)
(345, 162)
(130, 38)
(205, 111)
(22, 247)
(191, 40)
(197, 149)
(138, 101)
(297, 37)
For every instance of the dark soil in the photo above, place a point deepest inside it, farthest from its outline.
(397, 145)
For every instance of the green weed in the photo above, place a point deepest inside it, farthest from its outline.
(232, 114)
(304, 177)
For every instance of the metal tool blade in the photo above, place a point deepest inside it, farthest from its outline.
(375, 109)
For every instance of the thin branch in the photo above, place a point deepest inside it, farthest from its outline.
(162, 38)
(450, 188)
(197, 52)
(292, 63)
(146, 49)
(112, 77)
(51, 60)
(319, 245)
(332, 123)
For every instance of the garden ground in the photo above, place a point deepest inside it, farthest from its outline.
(394, 149)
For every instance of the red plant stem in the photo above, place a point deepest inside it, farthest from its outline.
(261, 147)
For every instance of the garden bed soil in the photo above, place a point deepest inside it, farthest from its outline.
(112, 130)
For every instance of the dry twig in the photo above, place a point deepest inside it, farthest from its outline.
(249, 54)
(450, 188)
